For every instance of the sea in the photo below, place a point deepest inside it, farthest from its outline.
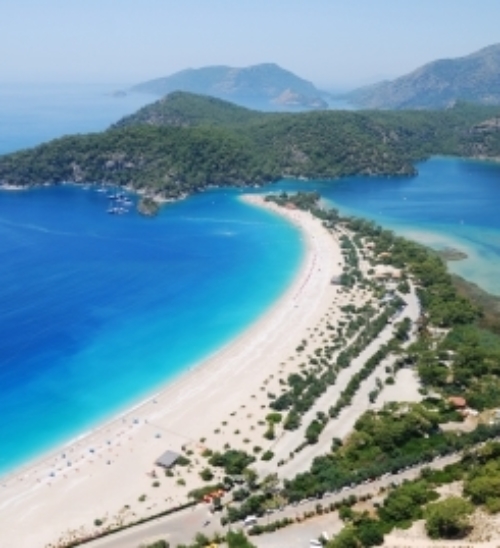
(98, 311)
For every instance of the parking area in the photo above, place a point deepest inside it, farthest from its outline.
(300, 535)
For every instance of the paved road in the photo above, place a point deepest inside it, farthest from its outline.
(180, 528)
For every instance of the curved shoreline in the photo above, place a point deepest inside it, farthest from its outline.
(27, 455)
(136, 404)
(180, 415)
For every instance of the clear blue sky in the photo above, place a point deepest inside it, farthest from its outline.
(334, 43)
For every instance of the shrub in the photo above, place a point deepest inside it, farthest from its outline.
(448, 518)
(274, 417)
(206, 474)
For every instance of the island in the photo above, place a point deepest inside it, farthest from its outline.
(148, 206)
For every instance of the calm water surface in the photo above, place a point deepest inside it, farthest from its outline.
(452, 202)
(98, 310)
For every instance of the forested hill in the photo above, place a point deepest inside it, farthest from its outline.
(184, 109)
(185, 143)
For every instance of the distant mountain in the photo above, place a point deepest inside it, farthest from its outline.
(263, 86)
(440, 84)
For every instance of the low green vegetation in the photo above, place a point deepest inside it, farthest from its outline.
(448, 518)
(445, 517)
(233, 461)
(157, 544)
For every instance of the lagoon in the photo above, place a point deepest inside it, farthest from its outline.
(453, 202)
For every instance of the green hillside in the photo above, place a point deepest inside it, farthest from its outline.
(185, 143)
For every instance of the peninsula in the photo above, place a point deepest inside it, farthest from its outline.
(185, 143)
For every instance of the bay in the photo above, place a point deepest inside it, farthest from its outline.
(99, 310)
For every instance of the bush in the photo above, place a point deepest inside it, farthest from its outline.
(157, 544)
(233, 461)
(268, 455)
(206, 474)
(448, 518)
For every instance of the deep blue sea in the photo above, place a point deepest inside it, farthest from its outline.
(97, 310)
(32, 114)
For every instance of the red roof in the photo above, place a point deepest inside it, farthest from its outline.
(458, 401)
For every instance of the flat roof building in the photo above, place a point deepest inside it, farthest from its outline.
(168, 459)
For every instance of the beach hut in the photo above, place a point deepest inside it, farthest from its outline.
(168, 459)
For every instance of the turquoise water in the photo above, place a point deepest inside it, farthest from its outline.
(98, 310)
(452, 202)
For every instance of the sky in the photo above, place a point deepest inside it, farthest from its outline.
(337, 44)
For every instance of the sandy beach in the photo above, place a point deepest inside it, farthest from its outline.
(106, 475)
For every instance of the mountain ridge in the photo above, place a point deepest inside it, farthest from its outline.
(266, 84)
(439, 84)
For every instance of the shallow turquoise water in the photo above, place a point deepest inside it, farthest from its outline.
(452, 202)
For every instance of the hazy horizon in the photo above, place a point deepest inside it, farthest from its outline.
(336, 46)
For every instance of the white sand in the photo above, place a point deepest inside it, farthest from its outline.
(109, 467)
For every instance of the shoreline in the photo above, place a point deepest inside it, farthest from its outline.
(175, 413)
(179, 377)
